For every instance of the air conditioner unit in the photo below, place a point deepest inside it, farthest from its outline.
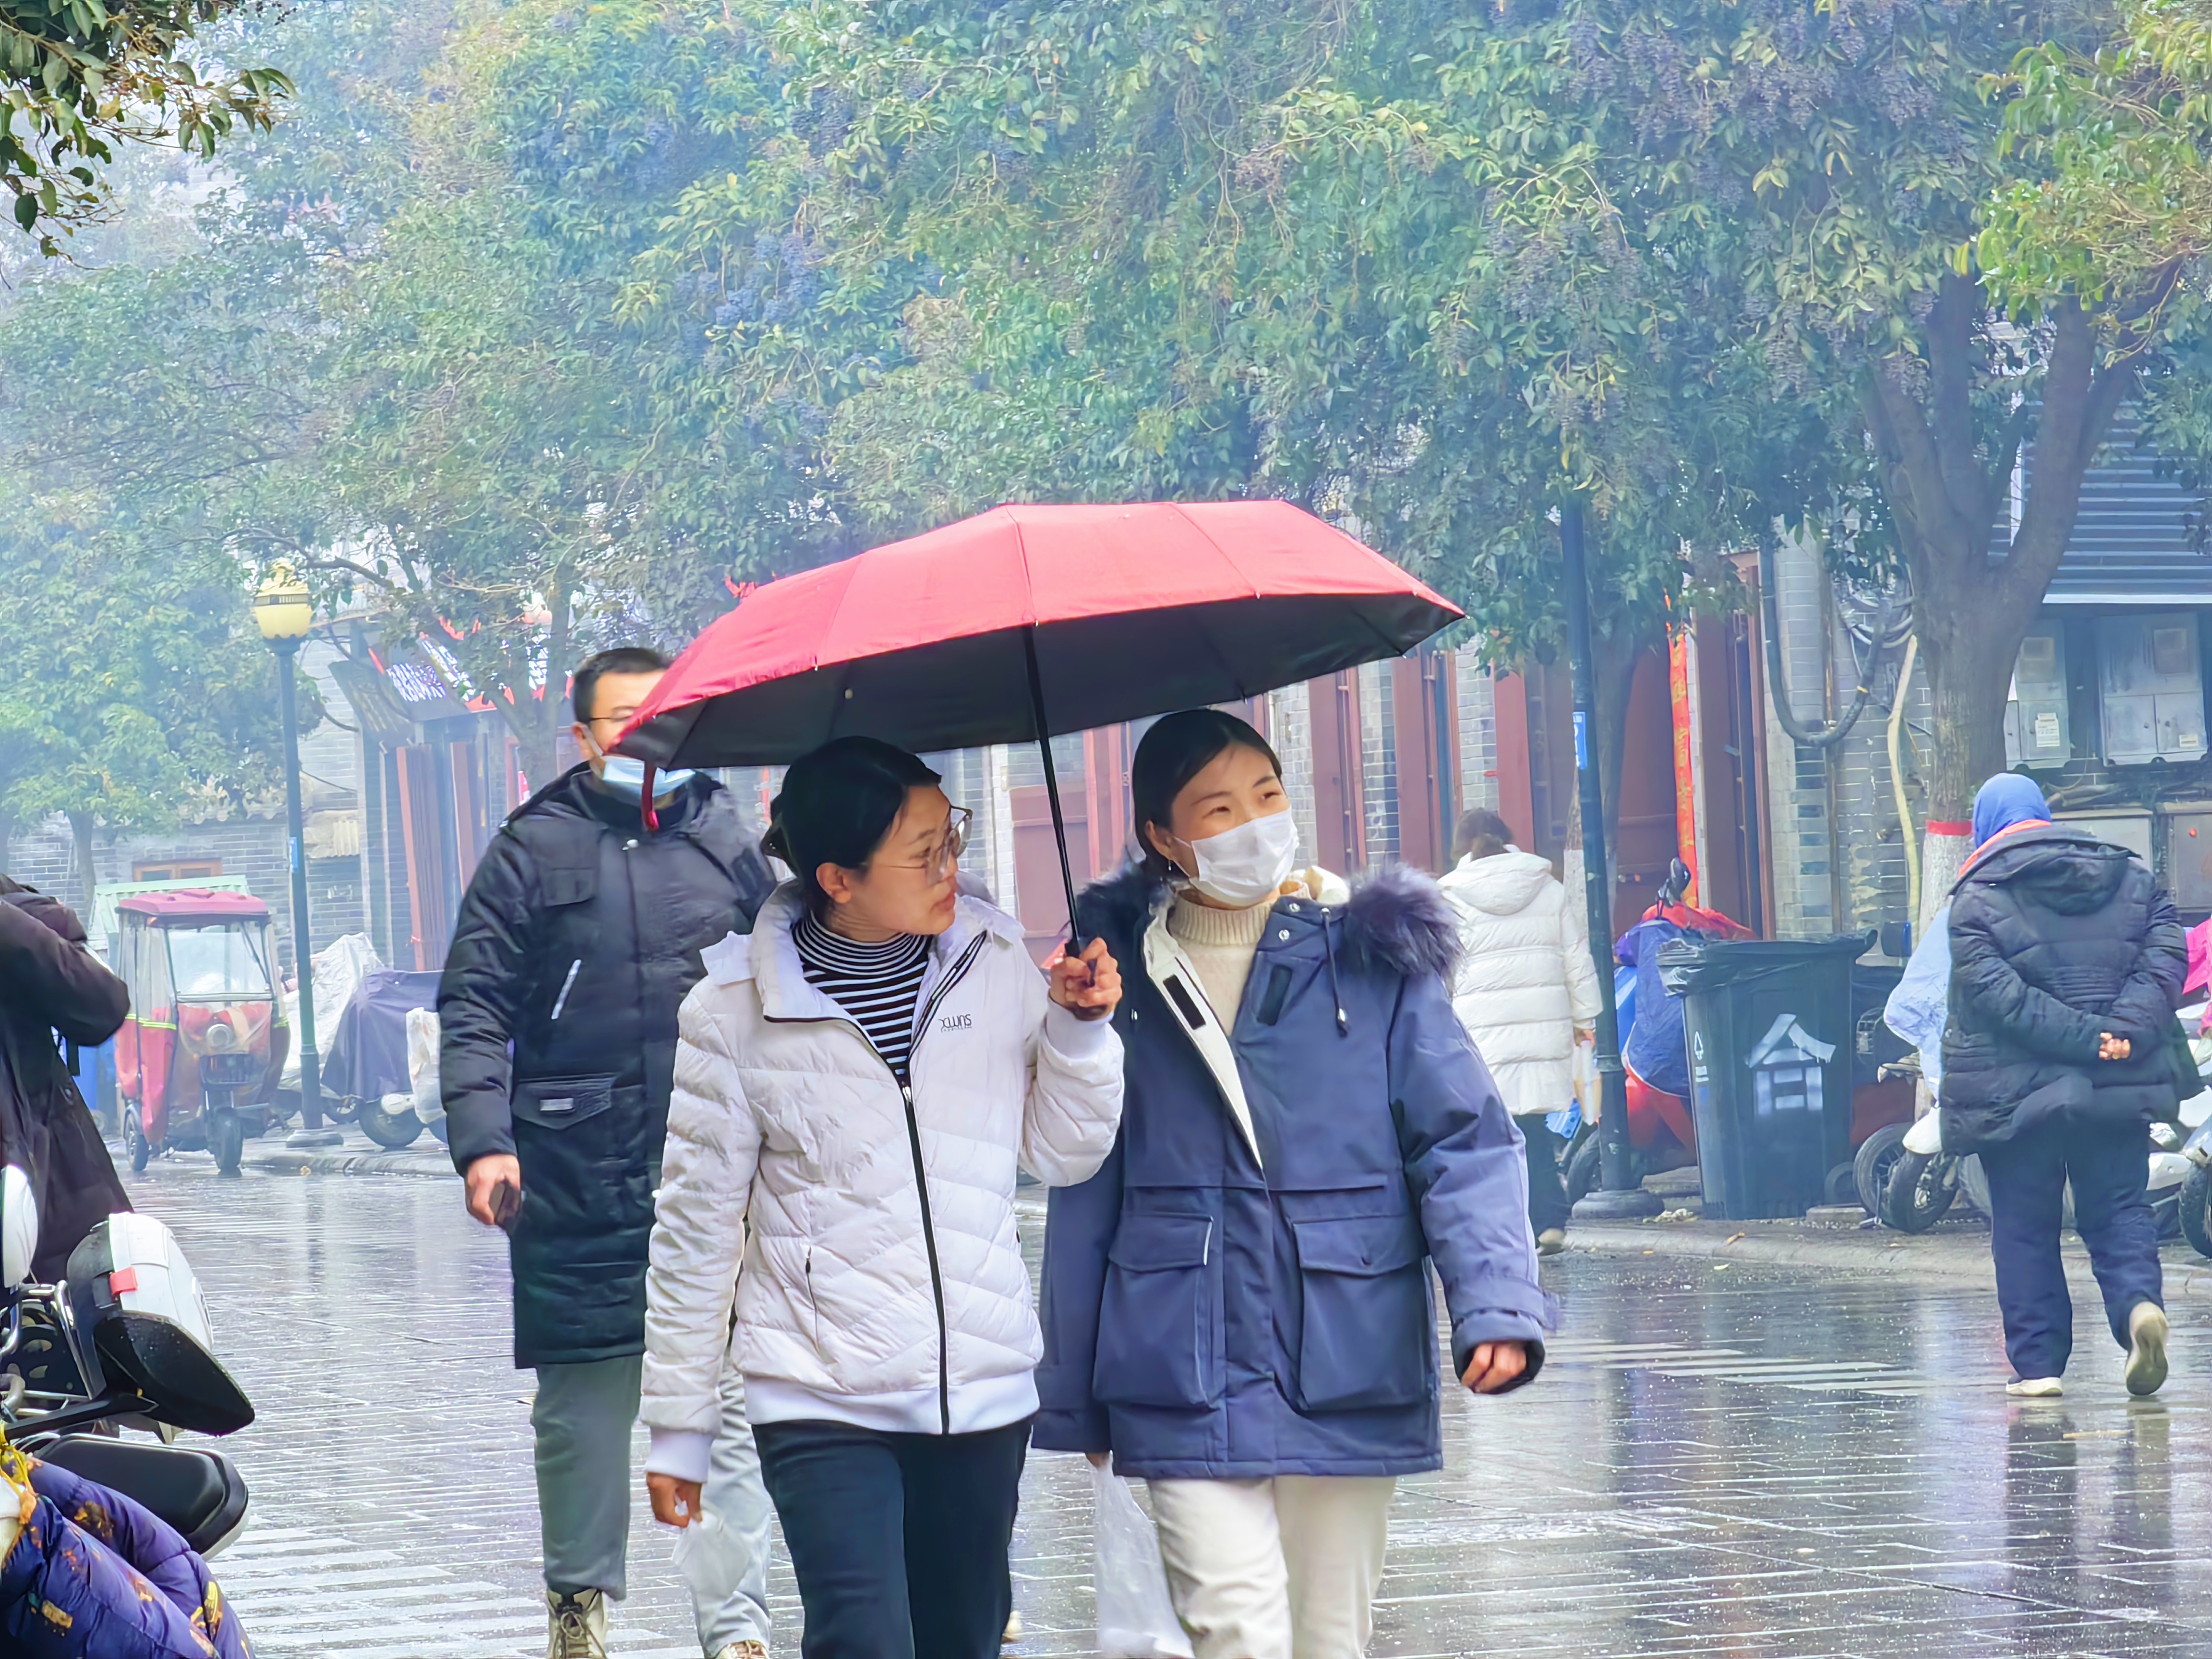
(2152, 689)
(2037, 729)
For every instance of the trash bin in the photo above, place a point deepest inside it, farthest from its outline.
(1770, 1036)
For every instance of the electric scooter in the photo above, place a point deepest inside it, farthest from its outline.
(120, 1342)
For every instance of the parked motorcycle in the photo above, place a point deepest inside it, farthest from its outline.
(1920, 1181)
(120, 1343)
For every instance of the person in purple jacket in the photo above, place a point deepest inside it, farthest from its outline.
(1237, 1306)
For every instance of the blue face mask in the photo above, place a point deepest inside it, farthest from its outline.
(625, 776)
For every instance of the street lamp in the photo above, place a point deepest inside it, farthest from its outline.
(1622, 1197)
(284, 611)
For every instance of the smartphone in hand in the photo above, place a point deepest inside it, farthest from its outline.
(506, 1205)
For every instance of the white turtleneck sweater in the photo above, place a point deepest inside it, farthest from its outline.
(1220, 943)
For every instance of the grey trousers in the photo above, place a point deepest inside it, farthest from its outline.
(583, 1417)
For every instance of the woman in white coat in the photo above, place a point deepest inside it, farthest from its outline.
(855, 1085)
(1527, 991)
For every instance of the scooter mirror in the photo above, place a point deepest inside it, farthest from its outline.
(19, 1226)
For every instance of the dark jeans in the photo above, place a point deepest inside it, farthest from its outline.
(2108, 1166)
(1547, 1187)
(898, 1540)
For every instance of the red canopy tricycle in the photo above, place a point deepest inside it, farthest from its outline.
(197, 1062)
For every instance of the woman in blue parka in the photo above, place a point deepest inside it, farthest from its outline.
(1237, 1306)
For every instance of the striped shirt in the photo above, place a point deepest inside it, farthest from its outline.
(876, 984)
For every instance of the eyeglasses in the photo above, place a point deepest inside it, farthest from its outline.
(944, 857)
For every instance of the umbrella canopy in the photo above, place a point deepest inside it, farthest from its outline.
(1026, 621)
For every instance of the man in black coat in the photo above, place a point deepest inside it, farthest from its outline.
(579, 938)
(51, 985)
(2065, 963)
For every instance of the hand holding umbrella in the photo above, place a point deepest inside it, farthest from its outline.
(1090, 986)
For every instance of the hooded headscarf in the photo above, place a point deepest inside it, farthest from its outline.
(2005, 802)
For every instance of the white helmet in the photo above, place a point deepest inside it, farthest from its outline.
(19, 1226)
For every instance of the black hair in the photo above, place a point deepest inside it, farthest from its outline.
(1177, 748)
(837, 804)
(623, 659)
(1482, 833)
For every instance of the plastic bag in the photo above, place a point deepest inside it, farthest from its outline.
(423, 1064)
(711, 1559)
(1589, 1096)
(340, 967)
(1136, 1620)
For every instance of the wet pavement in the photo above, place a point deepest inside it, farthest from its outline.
(1722, 1457)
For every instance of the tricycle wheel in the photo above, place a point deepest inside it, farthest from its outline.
(134, 1140)
(227, 1140)
(1842, 1185)
(1878, 1153)
(1919, 1191)
(2196, 1209)
(390, 1130)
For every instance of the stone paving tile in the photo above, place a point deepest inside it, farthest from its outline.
(1744, 1460)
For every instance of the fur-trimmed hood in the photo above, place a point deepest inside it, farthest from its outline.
(1395, 920)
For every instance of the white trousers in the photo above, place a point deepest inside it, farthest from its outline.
(1281, 1569)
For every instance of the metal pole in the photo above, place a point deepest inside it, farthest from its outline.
(1623, 1195)
(311, 1131)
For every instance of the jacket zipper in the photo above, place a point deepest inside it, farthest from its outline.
(952, 977)
(921, 1181)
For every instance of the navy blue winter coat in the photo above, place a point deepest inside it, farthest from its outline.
(1212, 1313)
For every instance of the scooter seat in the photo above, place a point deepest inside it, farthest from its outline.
(199, 1492)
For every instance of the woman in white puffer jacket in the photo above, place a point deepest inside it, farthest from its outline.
(855, 1085)
(1527, 991)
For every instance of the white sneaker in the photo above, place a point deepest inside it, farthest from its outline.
(2146, 1370)
(2036, 1388)
(1013, 1632)
(743, 1650)
(579, 1626)
(1551, 1241)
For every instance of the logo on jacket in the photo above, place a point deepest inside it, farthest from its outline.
(956, 1022)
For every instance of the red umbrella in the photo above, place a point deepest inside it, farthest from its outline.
(1026, 621)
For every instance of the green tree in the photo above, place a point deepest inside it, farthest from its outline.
(141, 694)
(1227, 248)
(82, 77)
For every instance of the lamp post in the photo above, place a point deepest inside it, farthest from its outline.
(1621, 1197)
(284, 612)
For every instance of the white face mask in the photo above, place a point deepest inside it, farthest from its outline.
(625, 776)
(1248, 865)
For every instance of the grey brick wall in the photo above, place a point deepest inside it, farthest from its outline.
(1478, 734)
(45, 858)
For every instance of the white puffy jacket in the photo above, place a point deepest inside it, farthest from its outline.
(1526, 979)
(789, 1143)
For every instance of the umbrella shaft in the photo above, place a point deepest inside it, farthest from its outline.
(1043, 731)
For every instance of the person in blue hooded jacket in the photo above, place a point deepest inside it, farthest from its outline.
(1237, 1305)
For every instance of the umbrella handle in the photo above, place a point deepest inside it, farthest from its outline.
(1038, 724)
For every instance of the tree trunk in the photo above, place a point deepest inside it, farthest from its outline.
(1969, 641)
(1946, 497)
(81, 828)
(537, 721)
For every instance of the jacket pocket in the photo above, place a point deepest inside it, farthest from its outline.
(572, 880)
(556, 1103)
(1367, 1336)
(1155, 1340)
